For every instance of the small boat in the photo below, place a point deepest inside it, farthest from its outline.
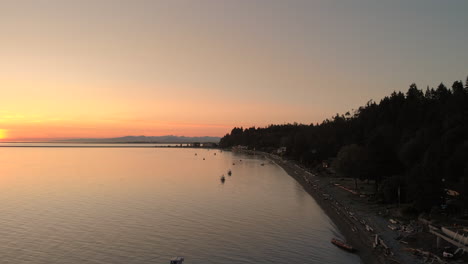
(229, 172)
(342, 245)
(223, 178)
(177, 260)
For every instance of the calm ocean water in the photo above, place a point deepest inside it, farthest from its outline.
(145, 205)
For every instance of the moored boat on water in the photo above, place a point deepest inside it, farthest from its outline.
(342, 245)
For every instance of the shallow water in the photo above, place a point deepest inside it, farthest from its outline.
(145, 205)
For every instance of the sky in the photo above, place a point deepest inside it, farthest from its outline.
(110, 68)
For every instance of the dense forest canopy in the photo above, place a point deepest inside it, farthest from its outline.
(417, 140)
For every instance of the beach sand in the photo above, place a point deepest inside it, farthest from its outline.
(351, 214)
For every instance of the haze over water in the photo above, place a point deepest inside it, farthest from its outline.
(145, 205)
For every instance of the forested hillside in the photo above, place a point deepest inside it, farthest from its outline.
(417, 140)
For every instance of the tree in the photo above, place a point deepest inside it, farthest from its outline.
(353, 160)
(422, 138)
(414, 93)
(442, 93)
(391, 190)
(457, 88)
(466, 84)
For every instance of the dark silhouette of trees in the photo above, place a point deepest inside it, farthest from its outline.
(417, 141)
(353, 160)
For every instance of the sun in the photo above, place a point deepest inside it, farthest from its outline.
(3, 134)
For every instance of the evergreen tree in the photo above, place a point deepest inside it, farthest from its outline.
(466, 85)
(411, 140)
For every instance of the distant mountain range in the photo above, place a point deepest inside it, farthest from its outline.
(145, 139)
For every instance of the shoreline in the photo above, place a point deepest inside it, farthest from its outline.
(355, 238)
(348, 219)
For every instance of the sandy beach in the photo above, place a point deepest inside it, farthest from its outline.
(355, 219)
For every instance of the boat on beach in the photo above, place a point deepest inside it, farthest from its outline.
(229, 172)
(342, 245)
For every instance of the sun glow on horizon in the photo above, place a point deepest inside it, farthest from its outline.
(3, 134)
(90, 69)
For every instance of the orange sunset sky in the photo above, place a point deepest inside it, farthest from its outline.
(80, 69)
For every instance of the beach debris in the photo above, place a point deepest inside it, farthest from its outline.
(447, 255)
(346, 189)
(394, 260)
(425, 254)
(408, 229)
(379, 242)
(177, 260)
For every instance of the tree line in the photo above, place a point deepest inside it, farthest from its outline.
(416, 142)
